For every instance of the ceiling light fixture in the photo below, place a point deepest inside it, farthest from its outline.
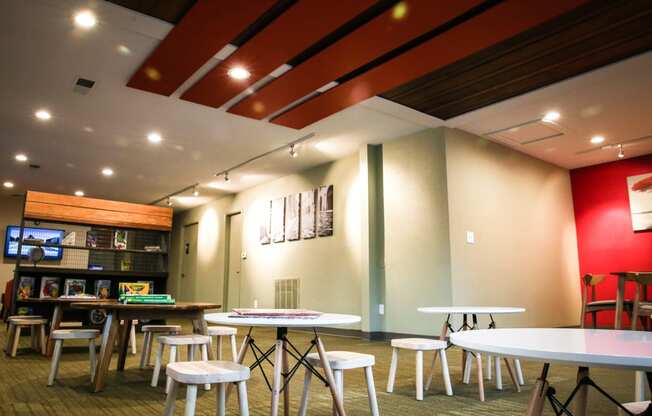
(621, 153)
(8, 184)
(43, 115)
(597, 139)
(195, 191)
(123, 50)
(21, 157)
(85, 19)
(550, 117)
(169, 202)
(107, 172)
(293, 151)
(239, 73)
(79, 193)
(154, 137)
(226, 176)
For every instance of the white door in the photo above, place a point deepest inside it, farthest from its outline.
(186, 290)
(234, 269)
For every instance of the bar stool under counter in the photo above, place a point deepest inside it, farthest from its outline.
(59, 335)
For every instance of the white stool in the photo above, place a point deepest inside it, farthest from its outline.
(206, 372)
(59, 336)
(420, 345)
(634, 407)
(11, 329)
(175, 341)
(493, 362)
(340, 361)
(37, 329)
(148, 330)
(132, 336)
(224, 331)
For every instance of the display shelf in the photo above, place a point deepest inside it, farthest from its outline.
(104, 274)
(116, 250)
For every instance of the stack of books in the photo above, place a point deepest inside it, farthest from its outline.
(150, 299)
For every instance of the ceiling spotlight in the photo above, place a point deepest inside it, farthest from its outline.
(551, 116)
(85, 19)
(107, 172)
(79, 193)
(293, 151)
(239, 73)
(154, 137)
(43, 115)
(8, 184)
(21, 157)
(123, 50)
(597, 139)
(195, 191)
(621, 153)
(226, 176)
(169, 202)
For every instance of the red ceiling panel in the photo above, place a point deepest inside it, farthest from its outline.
(494, 25)
(303, 24)
(386, 32)
(203, 31)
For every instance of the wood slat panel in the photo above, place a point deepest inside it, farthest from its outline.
(381, 35)
(66, 208)
(494, 25)
(206, 28)
(302, 25)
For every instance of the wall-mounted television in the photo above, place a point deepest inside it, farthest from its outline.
(47, 235)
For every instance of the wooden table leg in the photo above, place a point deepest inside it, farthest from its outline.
(581, 400)
(620, 301)
(57, 314)
(125, 329)
(328, 373)
(286, 369)
(639, 389)
(276, 380)
(106, 351)
(442, 336)
(538, 398)
(512, 375)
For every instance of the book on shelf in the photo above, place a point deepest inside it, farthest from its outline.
(163, 299)
(69, 239)
(151, 285)
(120, 240)
(91, 239)
(74, 287)
(103, 289)
(25, 287)
(125, 265)
(133, 288)
(49, 287)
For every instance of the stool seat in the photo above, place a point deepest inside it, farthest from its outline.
(343, 360)
(29, 321)
(75, 334)
(419, 344)
(23, 317)
(190, 339)
(161, 328)
(221, 331)
(207, 372)
(635, 407)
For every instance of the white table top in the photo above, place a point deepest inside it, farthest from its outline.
(583, 347)
(327, 319)
(471, 310)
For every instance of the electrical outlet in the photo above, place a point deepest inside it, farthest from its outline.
(255, 303)
(381, 309)
(470, 237)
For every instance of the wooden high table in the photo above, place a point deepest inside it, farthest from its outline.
(117, 312)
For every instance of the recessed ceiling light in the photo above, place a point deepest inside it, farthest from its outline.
(154, 137)
(88, 129)
(43, 115)
(8, 184)
(85, 19)
(551, 116)
(621, 153)
(239, 73)
(21, 157)
(123, 50)
(597, 139)
(107, 172)
(79, 193)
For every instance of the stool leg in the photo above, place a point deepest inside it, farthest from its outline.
(419, 375)
(91, 355)
(303, 407)
(466, 379)
(54, 366)
(489, 364)
(219, 347)
(171, 399)
(478, 359)
(512, 376)
(191, 398)
(157, 365)
(221, 399)
(16, 340)
(204, 357)
(234, 348)
(150, 342)
(191, 353)
(371, 391)
(445, 374)
(339, 383)
(392, 370)
(244, 403)
(432, 371)
(11, 332)
(519, 372)
(499, 374)
(143, 353)
(43, 339)
(33, 338)
(173, 358)
(132, 338)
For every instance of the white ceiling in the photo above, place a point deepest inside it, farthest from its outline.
(43, 53)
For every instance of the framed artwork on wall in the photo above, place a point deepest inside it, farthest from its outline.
(325, 224)
(640, 201)
(307, 223)
(278, 220)
(265, 230)
(292, 207)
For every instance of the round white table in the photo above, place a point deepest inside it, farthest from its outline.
(582, 347)
(474, 311)
(283, 349)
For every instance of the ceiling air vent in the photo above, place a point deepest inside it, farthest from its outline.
(527, 133)
(83, 85)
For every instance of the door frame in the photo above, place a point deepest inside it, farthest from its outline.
(182, 252)
(227, 257)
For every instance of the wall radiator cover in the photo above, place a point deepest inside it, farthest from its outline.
(286, 293)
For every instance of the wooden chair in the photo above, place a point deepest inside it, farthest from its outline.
(420, 345)
(591, 305)
(59, 336)
(175, 341)
(208, 372)
(37, 330)
(148, 332)
(642, 308)
(224, 331)
(340, 361)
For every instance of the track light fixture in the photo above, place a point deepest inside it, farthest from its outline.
(621, 153)
(293, 151)
(226, 176)
(169, 202)
(195, 191)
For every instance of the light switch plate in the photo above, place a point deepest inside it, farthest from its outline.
(243, 255)
(470, 237)
(381, 309)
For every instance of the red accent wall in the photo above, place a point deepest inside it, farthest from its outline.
(605, 239)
